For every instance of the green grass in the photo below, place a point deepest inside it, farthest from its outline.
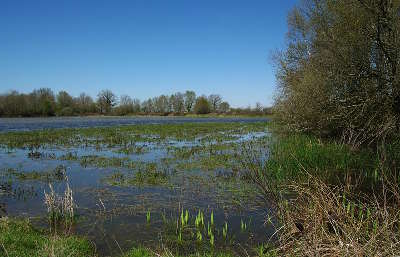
(144, 252)
(294, 154)
(19, 239)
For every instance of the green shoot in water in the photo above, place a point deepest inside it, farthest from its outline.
(225, 230)
(184, 218)
(243, 225)
(148, 216)
(180, 237)
(199, 236)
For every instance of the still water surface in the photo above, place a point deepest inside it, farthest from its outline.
(27, 124)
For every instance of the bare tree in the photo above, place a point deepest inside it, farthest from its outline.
(189, 99)
(224, 107)
(106, 100)
(215, 101)
(177, 102)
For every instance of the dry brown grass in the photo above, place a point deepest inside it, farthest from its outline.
(324, 220)
(60, 208)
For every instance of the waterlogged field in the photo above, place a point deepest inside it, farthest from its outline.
(175, 186)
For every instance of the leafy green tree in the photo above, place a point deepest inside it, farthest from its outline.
(65, 104)
(43, 102)
(202, 105)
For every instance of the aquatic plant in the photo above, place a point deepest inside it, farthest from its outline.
(225, 230)
(243, 225)
(60, 208)
(148, 216)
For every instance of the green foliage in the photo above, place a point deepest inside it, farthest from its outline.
(19, 239)
(202, 106)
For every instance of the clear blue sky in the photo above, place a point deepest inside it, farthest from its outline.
(143, 48)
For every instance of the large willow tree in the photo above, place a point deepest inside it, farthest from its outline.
(339, 74)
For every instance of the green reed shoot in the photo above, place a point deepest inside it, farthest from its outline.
(225, 230)
(199, 236)
(212, 240)
(243, 225)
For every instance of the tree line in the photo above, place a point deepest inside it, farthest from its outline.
(339, 75)
(43, 102)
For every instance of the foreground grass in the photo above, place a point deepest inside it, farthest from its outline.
(19, 239)
(143, 252)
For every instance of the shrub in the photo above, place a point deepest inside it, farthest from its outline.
(339, 76)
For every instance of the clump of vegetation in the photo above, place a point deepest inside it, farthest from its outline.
(56, 174)
(60, 208)
(149, 177)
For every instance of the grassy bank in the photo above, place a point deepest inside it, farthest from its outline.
(19, 239)
(328, 198)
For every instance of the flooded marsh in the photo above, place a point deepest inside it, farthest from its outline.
(156, 185)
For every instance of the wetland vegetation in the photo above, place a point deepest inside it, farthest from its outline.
(172, 188)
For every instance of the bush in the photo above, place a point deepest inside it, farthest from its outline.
(67, 111)
(338, 76)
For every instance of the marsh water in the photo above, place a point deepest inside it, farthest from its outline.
(131, 183)
(28, 124)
